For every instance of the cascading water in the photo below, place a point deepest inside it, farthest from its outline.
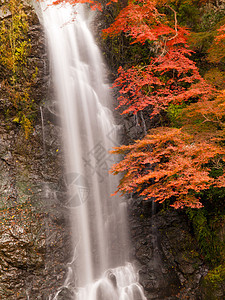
(98, 270)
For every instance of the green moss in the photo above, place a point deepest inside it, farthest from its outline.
(213, 283)
(216, 276)
(206, 225)
(188, 14)
(174, 112)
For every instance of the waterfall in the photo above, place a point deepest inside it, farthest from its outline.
(99, 269)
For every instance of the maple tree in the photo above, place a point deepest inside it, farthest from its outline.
(221, 33)
(176, 164)
(206, 39)
(171, 76)
(169, 164)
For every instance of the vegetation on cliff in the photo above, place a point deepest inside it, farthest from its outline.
(180, 77)
(17, 74)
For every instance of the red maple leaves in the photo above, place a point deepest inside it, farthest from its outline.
(169, 164)
(221, 35)
(170, 76)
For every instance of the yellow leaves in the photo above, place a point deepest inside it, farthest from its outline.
(221, 98)
(15, 47)
(26, 123)
(16, 120)
(13, 38)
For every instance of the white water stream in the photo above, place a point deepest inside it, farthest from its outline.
(99, 268)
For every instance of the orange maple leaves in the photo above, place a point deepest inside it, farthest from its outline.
(169, 164)
(221, 35)
(173, 78)
(170, 76)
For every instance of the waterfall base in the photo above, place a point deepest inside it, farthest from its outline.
(120, 283)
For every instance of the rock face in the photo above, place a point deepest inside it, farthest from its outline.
(34, 238)
(33, 232)
(165, 252)
(164, 249)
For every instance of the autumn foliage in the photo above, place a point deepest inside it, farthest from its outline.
(173, 164)
(168, 163)
(221, 34)
(171, 76)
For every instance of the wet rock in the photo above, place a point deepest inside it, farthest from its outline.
(165, 253)
(34, 231)
(65, 293)
(157, 278)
